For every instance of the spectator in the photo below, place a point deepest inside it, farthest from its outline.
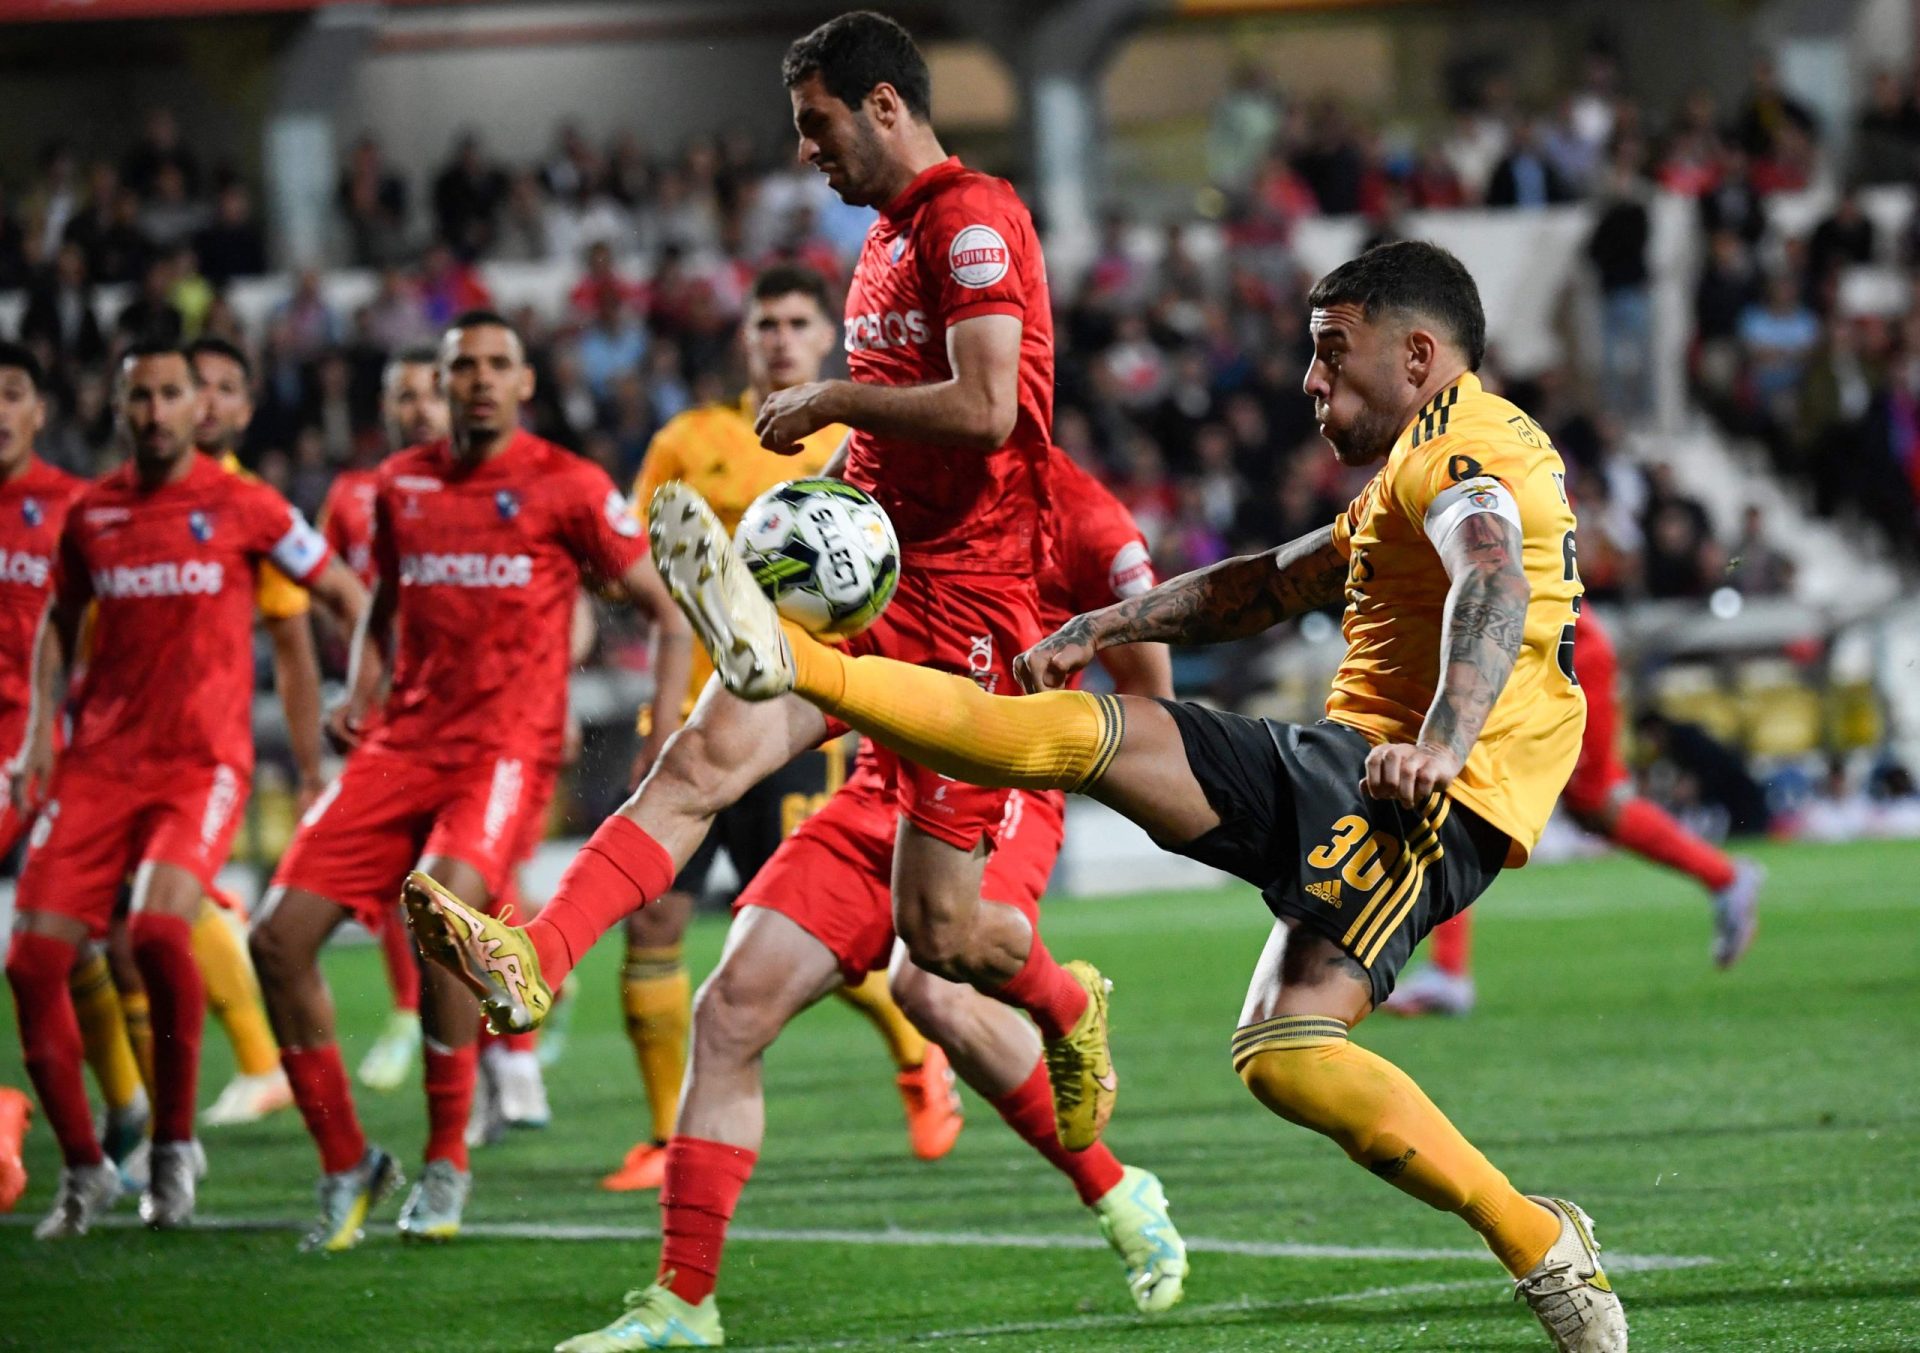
(613, 344)
(53, 200)
(158, 151)
(1330, 160)
(1574, 158)
(467, 196)
(1681, 559)
(629, 171)
(152, 316)
(1770, 114)
(372, 202)
(601, 277)
(169, 216)
(1433, 186)
(1525, 177)
(1710, 774)
(1618, 250)
(1692, 162)
(232, 245)
(13, 245)
(573, 172)
(191, 295)
(1777, 338)
(1755, 567)
(397, 316)
(1242, 127)
(60, 310)
(449, 287)
(107, 227)
(305, 321)
(1843, 239)
(1733, 203)
(527, 233)
(1474, 148)
(1887, 137)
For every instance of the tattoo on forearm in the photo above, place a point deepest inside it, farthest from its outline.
(1485, 624)
(1233, 599)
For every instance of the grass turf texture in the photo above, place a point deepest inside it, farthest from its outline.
(1768, 1118)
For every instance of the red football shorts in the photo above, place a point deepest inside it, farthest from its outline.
(974, 624)
(833, 876)
(1599, 772)
(103, 821)
(387, 813)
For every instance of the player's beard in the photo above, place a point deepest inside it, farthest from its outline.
(1367, 438)
(863, 166)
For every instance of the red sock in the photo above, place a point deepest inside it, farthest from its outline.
(526, 1042)
(1045, 991)
(320, 1088)
(1028, 1109)
(37, 968)
(704, 1180)
(403, 970)
(1644, 828)
(618, 871)
(450, 1078)
(163, 951)
(1448, 944)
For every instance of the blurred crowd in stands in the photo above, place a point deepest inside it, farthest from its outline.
(1178, 379)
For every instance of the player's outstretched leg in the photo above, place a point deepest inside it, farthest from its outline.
(771, 971)
(356, 1176)
(391, 1058)
(998, 1054)
(943, 722)
(1293, 1051)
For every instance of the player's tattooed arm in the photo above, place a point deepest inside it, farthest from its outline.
(1486, 620)
(1234, 599)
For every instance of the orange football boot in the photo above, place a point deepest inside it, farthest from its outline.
(15, 1110)
(934, 1115)
(644, 1168)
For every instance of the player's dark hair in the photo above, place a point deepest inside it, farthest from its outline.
(209, 344)
(1416, 278)
(857, 51)
(481, 319)
(158, 347)
(19, 357)
(790, 279)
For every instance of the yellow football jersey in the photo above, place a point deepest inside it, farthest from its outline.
(714, 451)
(275, 595)
(1461, 448)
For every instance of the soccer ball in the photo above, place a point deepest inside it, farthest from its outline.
(824, 551)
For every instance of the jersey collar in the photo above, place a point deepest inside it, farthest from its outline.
(1431, 420)
(909, 198)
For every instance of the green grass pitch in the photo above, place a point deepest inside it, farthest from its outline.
(1766, 1120)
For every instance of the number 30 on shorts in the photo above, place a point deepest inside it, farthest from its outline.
(1369, 854)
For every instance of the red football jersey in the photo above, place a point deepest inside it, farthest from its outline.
(953, 245)
(33, 510)
(171, 571)
(486, 562)
(346, 520)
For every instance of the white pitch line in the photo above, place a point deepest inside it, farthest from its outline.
(976, 1240)
(1179, 1315)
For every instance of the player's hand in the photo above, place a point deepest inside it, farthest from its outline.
(1050, 664)
(343, 726)
(1409, 773)
(28, 774)
(306, 792)
(788, 415)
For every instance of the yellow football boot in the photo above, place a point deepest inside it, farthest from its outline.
(493, 960)
(655, 1318)
(1080, 1066)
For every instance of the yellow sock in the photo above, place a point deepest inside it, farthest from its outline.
(657, 996)
(232, 993)
(103, 1031)
(133, 1009)
(1303, 1068)
(1054, 740)
(905, 1044)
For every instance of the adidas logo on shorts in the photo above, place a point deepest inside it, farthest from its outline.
(1327, 890)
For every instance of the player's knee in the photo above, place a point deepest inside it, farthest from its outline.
(34, 965)
(731, 1020)
(1294, 1083)
(275, 958)
(937, 945)
(922, 997)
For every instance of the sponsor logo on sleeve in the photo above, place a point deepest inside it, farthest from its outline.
(620, 514)
(978, 257)
(1131, 571)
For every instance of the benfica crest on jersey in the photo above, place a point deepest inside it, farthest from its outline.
(201, 526)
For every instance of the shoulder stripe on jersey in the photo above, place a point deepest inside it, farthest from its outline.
(1433, 418)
